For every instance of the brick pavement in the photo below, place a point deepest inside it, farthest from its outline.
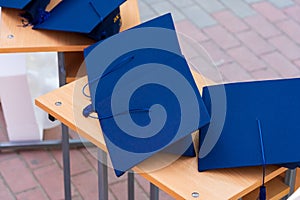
(245, 35)
(246, 40)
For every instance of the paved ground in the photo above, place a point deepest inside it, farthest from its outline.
(245, 39)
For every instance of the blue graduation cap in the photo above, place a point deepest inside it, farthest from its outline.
(34, 10)
(146, 98)
(18, 4)
(96, 18)
(261, 125)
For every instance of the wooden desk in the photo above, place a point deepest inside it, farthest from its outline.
(25, 39)
(15, 38)
(181, 178)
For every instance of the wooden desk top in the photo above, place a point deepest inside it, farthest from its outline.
(28, 40)
(181, 178)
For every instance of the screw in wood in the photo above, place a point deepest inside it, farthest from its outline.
(195, 195)
(58, 103)
(10, 36)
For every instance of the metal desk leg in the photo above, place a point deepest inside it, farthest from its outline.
(154, 192)
(61, 69)
(65, 132)
(290, 178)
(74, 143)
(66, 162)
(130, 180)
(102, 175)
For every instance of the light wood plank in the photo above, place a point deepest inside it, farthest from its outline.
(73, 62)
(297, 182)
(276, 190)
(178, 179)
(29, 40)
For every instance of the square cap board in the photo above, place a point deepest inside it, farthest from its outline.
(235, 140)
(156, 111)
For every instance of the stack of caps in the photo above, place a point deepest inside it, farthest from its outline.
(98, 19)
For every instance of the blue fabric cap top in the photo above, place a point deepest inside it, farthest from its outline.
(33, 11)
(80, 16)
(18, 4)
(275, 104)
(144, 93)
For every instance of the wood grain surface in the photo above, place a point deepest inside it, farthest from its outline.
(16, 38)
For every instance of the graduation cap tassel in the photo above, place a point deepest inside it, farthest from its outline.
(118, 66)
(44, 15)
(125, 112)
(35, 12)
(88, 110)
(40, 18)
(262, 191)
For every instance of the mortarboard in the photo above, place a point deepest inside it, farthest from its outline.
(18, 4)
(146, 99)
(96, 18)
(261, 125)
(179, 147)
(34, 10)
